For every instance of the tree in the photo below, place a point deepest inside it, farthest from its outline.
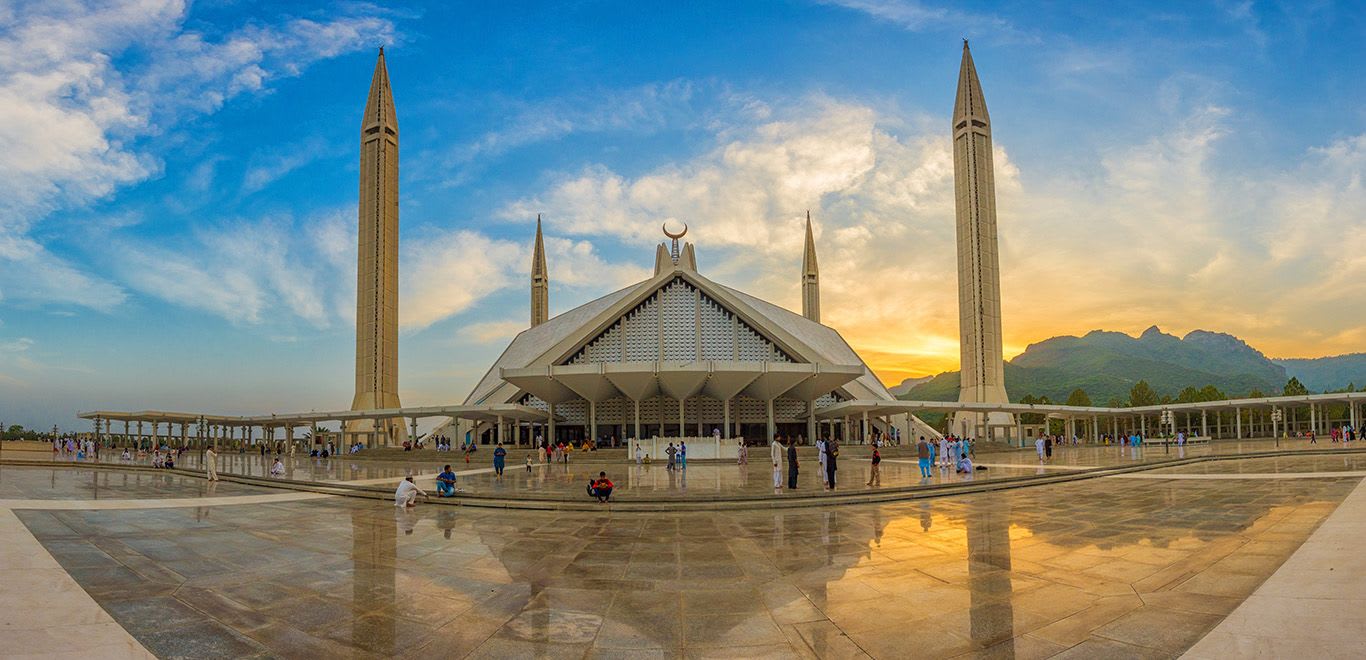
(1188, 395)
(1294, 387)
(1078, 398)
(1142, 394)
(1211, 393)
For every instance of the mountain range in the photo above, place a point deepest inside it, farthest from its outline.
(1107, 364)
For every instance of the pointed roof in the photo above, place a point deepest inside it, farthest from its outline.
(538, 252)
(379, 107)
(809, 256)
(970, 102)
(560, 337)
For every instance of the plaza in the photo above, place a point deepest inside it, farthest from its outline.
(1145, 563)
(1222, 529)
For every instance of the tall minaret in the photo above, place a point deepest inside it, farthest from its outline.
(540, 280)
(811, 279)
(377, 263)
(979, 278)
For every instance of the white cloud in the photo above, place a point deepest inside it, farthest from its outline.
(71, 118)
(493, 332)
(644, 108)
(443, 275)
(918, 17)
(1152, 234)
(273, 164)
(243, 271)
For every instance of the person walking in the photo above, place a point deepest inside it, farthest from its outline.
(944, 451)
(742, 453)
(791, 464)
(1048, 450)
(832, 452)
(775, 452)
(499, 460)
(682, 455)
(672, 451)
(210, 463)
(640, 456)
(875, 473)
(922, 453)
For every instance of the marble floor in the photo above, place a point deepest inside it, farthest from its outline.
(718, 480)
(46, 483)
(1097, 568)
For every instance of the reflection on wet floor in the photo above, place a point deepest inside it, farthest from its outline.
(711, 480)
(46, 483)
(1275, 465)
(1091, 569)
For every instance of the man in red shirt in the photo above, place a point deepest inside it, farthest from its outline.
(600, 488)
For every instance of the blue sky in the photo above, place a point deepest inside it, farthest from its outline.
(179, 183)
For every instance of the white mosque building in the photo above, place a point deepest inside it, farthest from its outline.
(678, 355)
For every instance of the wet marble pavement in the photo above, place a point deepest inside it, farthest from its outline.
(75, 483)
(1098, 568)
(720, 480)
(1274, 465)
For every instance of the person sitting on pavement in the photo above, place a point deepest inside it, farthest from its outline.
(600, 488)
(407, 493)
(445, 483)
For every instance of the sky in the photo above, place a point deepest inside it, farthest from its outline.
(178, 180)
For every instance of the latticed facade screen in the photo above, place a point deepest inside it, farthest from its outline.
(680, 323)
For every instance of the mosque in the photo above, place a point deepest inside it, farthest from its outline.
(679, 355)
(674, 356)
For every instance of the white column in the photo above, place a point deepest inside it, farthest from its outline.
(725, 416)
(593, 420)
(551, 437)
(772, 429)
(1238, 423)
(1204, 425)
(863, 429)
(637, 408)
(811, 421)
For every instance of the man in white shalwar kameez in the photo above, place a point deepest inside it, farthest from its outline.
(775, 451)
(820, 457)
(407, 493)
(944, 452)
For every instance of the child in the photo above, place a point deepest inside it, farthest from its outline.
(528, 463)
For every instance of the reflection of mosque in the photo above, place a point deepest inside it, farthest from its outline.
(821, 551)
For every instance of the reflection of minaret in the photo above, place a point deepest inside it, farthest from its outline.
(373, 548)
(377, 261)
(979, 278)
(811, 279)
(540, 280)
(990, 611)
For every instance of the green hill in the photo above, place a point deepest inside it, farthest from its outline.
(1107, 364)
(1328, 373)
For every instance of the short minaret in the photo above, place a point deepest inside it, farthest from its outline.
(979, 277)
(377, 265)
(811, 279)
(540, 280)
